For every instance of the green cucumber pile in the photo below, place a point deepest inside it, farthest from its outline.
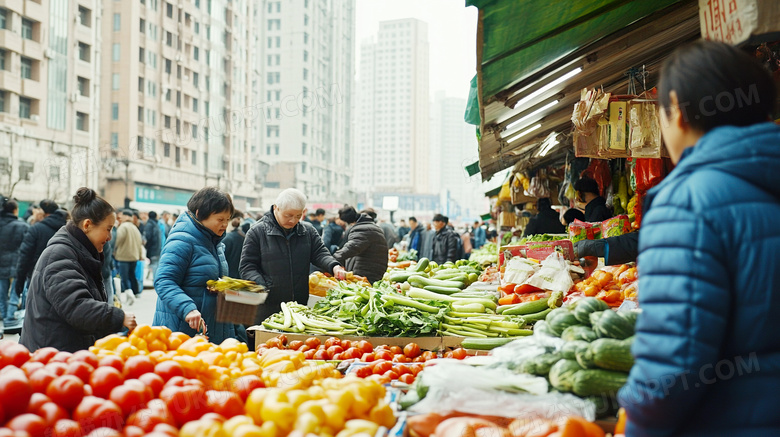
(449, 278)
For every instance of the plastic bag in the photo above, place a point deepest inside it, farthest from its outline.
(644, 130)
(518, 270)
(599, 171)
(553, 276)
(539, 187)
(649, 173)
(588, 112)
(483, 378)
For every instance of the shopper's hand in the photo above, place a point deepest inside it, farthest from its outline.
(130, 322)
(193, 319)
(340, 273)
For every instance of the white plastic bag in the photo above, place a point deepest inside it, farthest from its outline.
(553, 276)
(519, 269)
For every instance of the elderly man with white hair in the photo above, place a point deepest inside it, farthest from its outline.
(278, 250)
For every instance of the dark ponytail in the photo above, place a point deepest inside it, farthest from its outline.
(8, 205)
(90, 206)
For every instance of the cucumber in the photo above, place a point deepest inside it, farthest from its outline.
(578, 332)
(570, 348)
(527, 308)
(544, 362)
(562, 373)
(535, 317)
(422, 264)
(597, 382)
(485, 343)
(586, 306)
(460, 277)
(559, 323)
(612, 354)
(421, 281)
(542, 328)
(402, 276)
(441, 290)
(611, 325)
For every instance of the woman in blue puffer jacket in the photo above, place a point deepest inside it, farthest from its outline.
(194, 254)
(707, 350)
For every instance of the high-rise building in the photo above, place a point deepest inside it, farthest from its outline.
(393, 110)
(306, 75)
(49, 83)
(179, 101)
(453, 146)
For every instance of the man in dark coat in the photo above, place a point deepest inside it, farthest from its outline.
(152, 242)
(234, 242)
(12, 232)
(36, 239)
(546, 221)
(595, 206)
(278, 250)
(445, 242)
(364, 252)
(333, 234)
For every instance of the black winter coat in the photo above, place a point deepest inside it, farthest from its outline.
(280, 261)
(35, 241)
(546, 222)
(597, 211)
(234, 242)
(445, 246)
(66, 302)
(332, 235)
(151, 232)
(12, 231)
(365, 252)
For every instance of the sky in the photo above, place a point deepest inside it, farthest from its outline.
(452, 36)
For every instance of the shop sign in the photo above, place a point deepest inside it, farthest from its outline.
(735, 21)
(161, 195)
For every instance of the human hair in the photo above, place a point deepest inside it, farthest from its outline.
(127, 212)
(413, 219)
(717, 85)
(573, 214)
(476, 222)
(237, 214)
(236, 222)
(89, 206)
(8, 205)
(587, 185)
(291, 199)
(319, 212)
(543, 203)
(210, 200)
(49, 206)
(441, 218)
(370, 212)
(136, 214)
(153, 215)
(348, 214)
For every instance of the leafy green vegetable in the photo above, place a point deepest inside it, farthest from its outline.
(541, 237)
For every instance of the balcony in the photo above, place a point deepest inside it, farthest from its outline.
(84, 34)
(33, 89)
(10, 82)
(14, 5)
(34, 11)
(10, 41)
(32, 49)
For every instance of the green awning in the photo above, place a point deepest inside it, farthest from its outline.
(494, 192)
(473, 169)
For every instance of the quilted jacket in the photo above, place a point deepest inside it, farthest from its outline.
(363, 253)
(707, 347)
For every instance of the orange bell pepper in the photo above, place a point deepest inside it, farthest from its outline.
(509, 299)
(576, 426)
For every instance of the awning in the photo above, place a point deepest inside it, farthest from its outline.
(534, 57)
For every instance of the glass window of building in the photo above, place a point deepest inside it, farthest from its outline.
(24, 107)
(114, 140)
(3, 18)
(84, 50)
(115, 111)
(115, 52)
(85, 16)
(83, 85)
(82, 121)
(27, 28)
(27, 65)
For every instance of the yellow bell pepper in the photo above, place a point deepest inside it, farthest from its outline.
(254, 403)
(109, 342)
(193, 346)
(271, 429)
(335, 416)
(141, 331)
(231, 424)
(382, 414)
(176, 339)
(277, 409)
(308, 423)
(314, 408)
(202, 428)
(357, 426)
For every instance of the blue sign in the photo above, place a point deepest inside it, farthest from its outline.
(166, 196)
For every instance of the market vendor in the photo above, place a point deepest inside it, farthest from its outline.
(595, 205)
(707, 355)
(278, 250)
(546, 221)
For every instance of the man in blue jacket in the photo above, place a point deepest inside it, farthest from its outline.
(707, 353)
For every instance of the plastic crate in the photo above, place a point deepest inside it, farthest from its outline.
(239, 307)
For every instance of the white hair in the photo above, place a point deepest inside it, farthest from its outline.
(291, 199)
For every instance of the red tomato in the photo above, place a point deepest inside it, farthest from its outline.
(245, 385)
(66, 391)
(428, 355)
(133, 431)
(420, 359)
(94, 412)
(31, 366)
(104, 379)
(162, 430)
(332, 341)
(14, 354)
(138, 365)
(31, 423)
(381, 367)
(61, 357)
(57, 367)
(40, 380)
(105, 432)
(412, 350)
(396, 350)
(382, 347)
(407, 378)
(367, 357)
(168, 369)
(88, 390)
(283, 339)
(67, 428)
(274, 343)
(459, 353)
(338, 357)
(80, 369)
(346, 344)
(321, 355)
(225, 403)
(401, 358)
(383, 355)
(364, 372)
(36, 400)
(309, 354)
(15, 391)
(147, 418)
(350, 353)
(185, 403)
(312, 342)
(295, 345)
(51, 413)
(85, 356)
(153, 381)
(303, 348)
(44, 354)
(130, 397)
(336, 349)
(112, 361)
(365, 346)
(392, 374)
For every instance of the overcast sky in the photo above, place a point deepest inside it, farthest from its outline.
(452, 36)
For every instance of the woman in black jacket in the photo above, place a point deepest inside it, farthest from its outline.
(67, 304)
(12, 232)
(365, 250)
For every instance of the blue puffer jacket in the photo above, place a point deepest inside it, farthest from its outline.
(192, 255)
(707, 346)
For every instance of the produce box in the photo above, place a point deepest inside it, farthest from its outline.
(426, 343)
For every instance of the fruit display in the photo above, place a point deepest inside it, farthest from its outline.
(612, 284)
(157, 382)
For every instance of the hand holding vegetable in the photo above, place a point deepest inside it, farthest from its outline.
(129, 321)
(340, 273)
(193, 319)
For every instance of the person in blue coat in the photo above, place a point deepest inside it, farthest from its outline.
(194, 254)
(707, 353)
